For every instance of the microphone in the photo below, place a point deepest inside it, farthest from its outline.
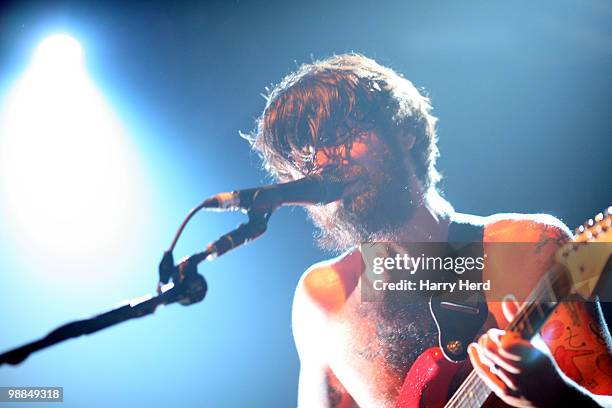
(315, 189)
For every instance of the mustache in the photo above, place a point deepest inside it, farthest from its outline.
(357, 174)
(349, 171)
(370, 188)
(373, 208)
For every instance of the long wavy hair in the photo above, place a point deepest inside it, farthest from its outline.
(327, 103)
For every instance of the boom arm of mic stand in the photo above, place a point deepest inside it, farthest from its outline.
(246, 232)
(190, 290)
(188, 287)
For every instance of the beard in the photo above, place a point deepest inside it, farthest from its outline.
(382, 205)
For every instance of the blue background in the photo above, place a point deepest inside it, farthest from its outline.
(522, 90)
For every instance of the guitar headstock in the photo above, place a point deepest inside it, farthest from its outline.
(588, 257)
(596, 229)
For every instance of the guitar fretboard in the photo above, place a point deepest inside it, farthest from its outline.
(542, 301)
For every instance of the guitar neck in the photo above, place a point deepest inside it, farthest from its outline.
(542, 301)
(552, 288)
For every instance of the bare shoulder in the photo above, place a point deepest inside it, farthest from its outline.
(326, 285)
(512, 227)
(519, 250)
(320, 294)
(533, 241)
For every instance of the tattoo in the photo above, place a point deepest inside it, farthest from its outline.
(592, 383)
(565, 358)
(333, 395)
(337, 396)
(571, 336)
(604, 363)
(553, 235)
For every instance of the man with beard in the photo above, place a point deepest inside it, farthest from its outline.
(353, 117)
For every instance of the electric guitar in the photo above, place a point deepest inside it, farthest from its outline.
(580, 269)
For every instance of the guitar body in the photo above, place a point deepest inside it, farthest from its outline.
(428, 382)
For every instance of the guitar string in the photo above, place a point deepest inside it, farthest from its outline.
(473, 381)
(472, 384)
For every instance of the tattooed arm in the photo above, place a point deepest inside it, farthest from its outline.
(579, 340)
(576, 336)
(523, 376)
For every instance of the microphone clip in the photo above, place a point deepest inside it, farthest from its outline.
(190, 286)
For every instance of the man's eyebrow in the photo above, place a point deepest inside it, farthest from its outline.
(344, 135)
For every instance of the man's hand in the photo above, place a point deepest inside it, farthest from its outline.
(520, 374)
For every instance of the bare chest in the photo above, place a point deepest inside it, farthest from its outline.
(376, 343)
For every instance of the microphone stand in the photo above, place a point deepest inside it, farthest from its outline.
(187, 287)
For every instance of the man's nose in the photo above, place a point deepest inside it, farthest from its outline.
(333, 155)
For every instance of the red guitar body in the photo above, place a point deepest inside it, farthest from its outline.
(428, 382)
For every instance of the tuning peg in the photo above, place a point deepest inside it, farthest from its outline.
(597, 230)
(599, 217)
(609, 211)
(590, 223)
(580, 230)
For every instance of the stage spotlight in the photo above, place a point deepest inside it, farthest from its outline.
(61, 50)
(70, 183)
